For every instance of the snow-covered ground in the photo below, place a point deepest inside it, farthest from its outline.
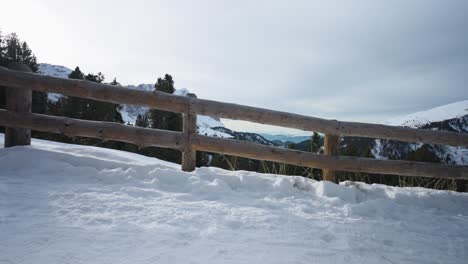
(77, 204)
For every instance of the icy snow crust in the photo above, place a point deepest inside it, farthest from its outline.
(77, 204)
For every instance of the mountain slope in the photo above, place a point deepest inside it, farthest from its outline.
(437, 114)
(285, 138)
(253, 137)
(82, 204)
(54, 71)
(452, 117)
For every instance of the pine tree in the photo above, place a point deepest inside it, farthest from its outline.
(4, 64)
(12, 49)
(73, 107)
(2, 50)
(76, 74)
(424, 154)
(314, 148)
(15, 50)
(142, 120)
(99, 78)
(26, 56)
(117, 107)
(165, 85)
(115, 82)
(164, 119)
(315, 143)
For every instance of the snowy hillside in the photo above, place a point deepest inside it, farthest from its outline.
(437, 114)
(130, 112)
(252, 137)
(81, 204)
(451, 117)
(54, 71)
(286, 137)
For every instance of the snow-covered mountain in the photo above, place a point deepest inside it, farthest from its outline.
(286, 138)
(54, 71)
(253, 137)
(451, 117)
(437, 114)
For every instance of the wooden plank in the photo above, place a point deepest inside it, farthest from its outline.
(95, 129)
(342, 163)
(93, 90)
(163, 101)
(331, 148)
(189, 129)
(171, 139)
(18, 100)
(334, 127)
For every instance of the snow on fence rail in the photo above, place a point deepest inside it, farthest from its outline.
(19, 120)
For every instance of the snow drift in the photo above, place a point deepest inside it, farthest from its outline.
(78, 204)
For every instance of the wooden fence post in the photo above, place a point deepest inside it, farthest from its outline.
(331, 148)
(18, 100)
(189, 129)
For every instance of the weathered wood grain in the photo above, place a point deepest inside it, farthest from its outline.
(334, 127)
(18, 100)
(94, 129)
(109, 93)
(93, 90)
(189, 129)
(340, 163)
(176, 140)
(331, 148)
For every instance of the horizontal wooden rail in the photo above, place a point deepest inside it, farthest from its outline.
(341, 163)
(170, 139)
(115, 94)
(144, 137)
(333, 127)
(93, 90)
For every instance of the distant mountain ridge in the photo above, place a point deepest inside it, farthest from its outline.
(285, 138)
(253, 137)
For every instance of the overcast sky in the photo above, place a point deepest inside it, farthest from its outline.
(348, 60)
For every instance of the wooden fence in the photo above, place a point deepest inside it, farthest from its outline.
(19, 121)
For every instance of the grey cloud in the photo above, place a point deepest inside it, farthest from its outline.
(353, 60)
